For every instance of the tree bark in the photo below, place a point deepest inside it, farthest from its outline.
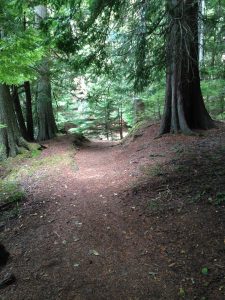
(29, 113)
(184, 106)
(10, 136)
(18, 111)
(47, 128)
(27, 89)
(46, 121)
(201, 31)
(120, 113)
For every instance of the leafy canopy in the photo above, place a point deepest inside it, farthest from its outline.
(19, 56)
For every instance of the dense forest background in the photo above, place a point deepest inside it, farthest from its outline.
(98, 67)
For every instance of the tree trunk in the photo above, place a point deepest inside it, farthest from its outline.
(184, 106)
(29, 113)
(18, 111)
(10, 136)
(27, 89)
(46, 121)
(120, 113)
(201, 31)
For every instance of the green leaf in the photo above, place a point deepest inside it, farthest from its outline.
(205, 271)
(181, 292)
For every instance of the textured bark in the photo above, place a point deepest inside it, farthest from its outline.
(184, 105)
(10, 136)
(120, 113)
(19, 113)
(46, 121)
(201, 30)
(29, 113)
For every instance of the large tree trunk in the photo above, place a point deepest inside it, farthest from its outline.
(184, 106)
(10, 136)
(46, 121)
(19, 113)
(29, 113)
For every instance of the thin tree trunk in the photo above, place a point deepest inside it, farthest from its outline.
(19, 113)
(27, 89)
(120, 111)
(184, 106)
(29, 113)
(201, 30)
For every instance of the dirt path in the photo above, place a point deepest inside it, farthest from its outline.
(72, 241)
(84, 232)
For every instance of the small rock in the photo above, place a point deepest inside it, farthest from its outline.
(2, 225)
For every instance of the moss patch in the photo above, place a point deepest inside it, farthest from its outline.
(136, 131)
(42, 164)
(13, 163)
(10, 196)
(10, 192)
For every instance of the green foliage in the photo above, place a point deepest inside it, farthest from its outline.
(116, 47)
(214, 95)
(205, 271)
(19, 55)
(181, 293)
(220, 199)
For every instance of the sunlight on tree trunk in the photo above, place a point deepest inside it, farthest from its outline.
(201, 30)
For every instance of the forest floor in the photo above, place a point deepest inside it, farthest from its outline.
(140, 220)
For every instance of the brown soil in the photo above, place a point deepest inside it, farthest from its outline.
(141, 220)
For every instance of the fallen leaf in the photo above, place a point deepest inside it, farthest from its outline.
(181, 292)
(153, 274)
(94, 252)
(76, 239)
(76, 265)
(171, 265)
